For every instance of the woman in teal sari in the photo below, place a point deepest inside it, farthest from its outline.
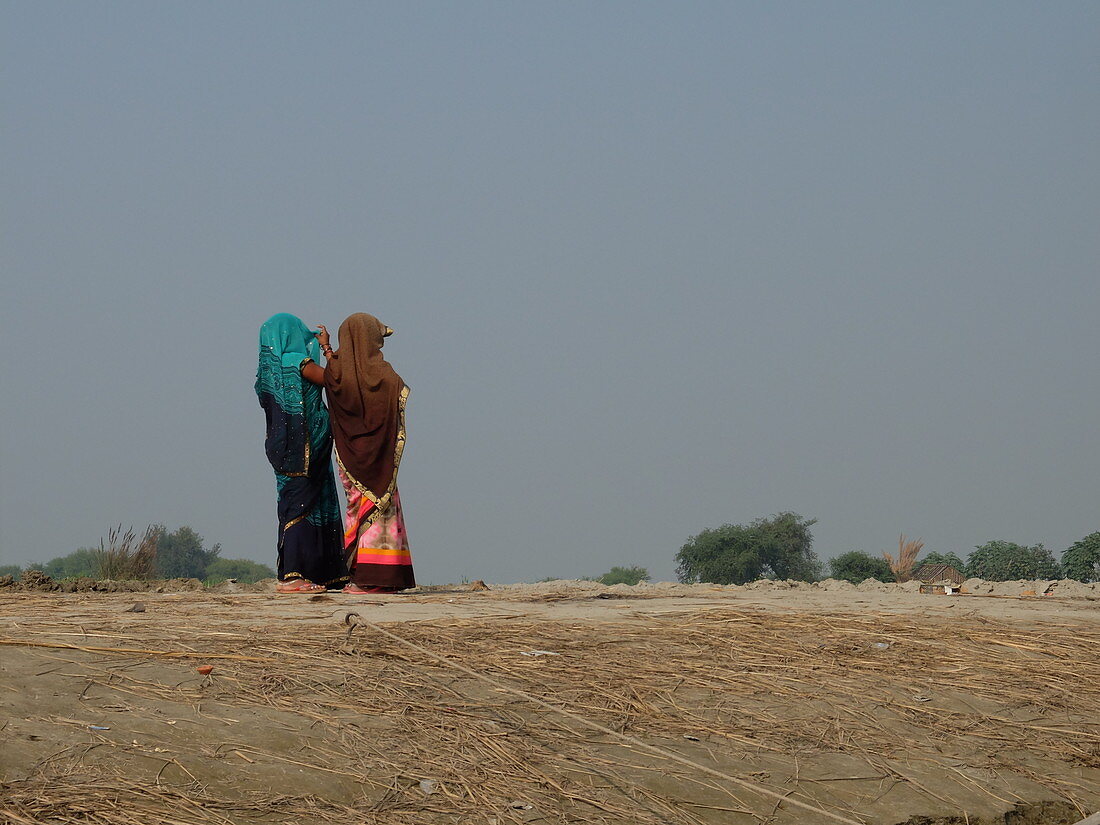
(299, 447)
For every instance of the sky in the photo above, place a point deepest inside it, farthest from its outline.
(653, 268)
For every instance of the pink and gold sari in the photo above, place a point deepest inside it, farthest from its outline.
(376, 543)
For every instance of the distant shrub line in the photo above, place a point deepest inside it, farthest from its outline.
(993, 561)
(157, 554)
(781, 547)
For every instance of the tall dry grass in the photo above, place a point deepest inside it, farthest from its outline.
(124, 557)
(902, 567)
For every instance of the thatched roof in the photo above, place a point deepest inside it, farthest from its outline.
(935, 573)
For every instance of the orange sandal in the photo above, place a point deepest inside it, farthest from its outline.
(356, 590)
(296, 586)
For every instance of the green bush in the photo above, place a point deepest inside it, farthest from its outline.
(1081, 560)
(181, 554)
(1000, 561)
(855, 566)
(243, 570)
(157, 552)
(780, 547)
(13, 570)
(624, 575)
(77, 564)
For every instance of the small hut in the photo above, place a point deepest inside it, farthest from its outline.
(939, 578)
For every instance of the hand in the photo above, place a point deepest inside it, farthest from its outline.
(322, 336)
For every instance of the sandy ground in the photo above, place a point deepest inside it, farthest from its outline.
(556, 702)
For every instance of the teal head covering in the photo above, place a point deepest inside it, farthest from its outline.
(286, 336)
(297, 421)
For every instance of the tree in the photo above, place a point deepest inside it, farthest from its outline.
(78, 564)
(1005, 561)
(181, 555)
(243, 570)
(13, 570)
(780, 547)
(1081, 560)
(624, 575)
(855, 566)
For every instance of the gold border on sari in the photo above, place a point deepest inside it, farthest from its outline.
(292, 522)
(306, 457)
(381, 503)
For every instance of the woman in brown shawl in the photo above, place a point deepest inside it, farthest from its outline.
(366, 401)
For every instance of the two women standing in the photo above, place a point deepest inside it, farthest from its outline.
(366, 419)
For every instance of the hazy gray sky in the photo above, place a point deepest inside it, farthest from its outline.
(653, 267)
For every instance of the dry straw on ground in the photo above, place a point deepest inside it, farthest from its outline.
(846, 713)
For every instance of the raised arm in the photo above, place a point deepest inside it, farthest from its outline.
(312, 372)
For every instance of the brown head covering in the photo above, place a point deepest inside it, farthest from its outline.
(367, 405)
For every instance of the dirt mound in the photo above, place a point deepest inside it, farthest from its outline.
(234, 586)
(559, 588)
(1073, 589)
(1061, 588)
(829, 585)
(1024, 813)
(875, 586)
(35, 581)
